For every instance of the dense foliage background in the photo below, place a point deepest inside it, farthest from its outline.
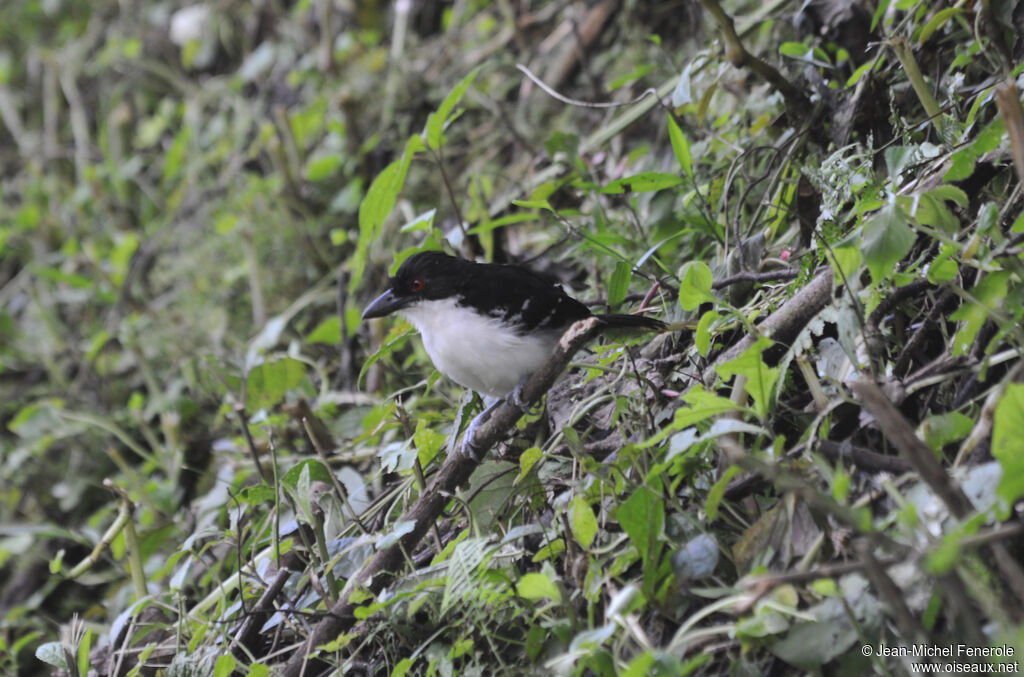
(202, 445)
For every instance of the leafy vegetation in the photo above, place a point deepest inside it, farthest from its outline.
(204, 448)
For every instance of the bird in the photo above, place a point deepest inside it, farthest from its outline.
(486, 326)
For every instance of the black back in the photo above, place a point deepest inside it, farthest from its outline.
(510, 292)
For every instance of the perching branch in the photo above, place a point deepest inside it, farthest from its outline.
(386, 565)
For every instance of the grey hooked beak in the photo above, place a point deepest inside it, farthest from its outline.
(385, 304)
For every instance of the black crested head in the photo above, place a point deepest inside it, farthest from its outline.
(430, 275)
(424, 276)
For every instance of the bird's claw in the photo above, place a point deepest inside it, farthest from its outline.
(468, 448)
(516, 397)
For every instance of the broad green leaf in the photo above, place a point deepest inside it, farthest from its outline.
(641, 517)
(225, 665)
(703, 405)
(582, 521)
(943, 269)
(896, 160)
(402, 667)
(680, 146)
(52, 653)
(886, 239)
(761, 379)
(311, 467)
(845, 262)
(647, 182)
(618, 285)
(931, 212)
(267, 383)
(1008, 443)
(988, 296)
(942, 429)
(988, 217)
(328, 331)
(527, 460)
(428, 441)
(695, 285)
(951, 193)
(536, 586)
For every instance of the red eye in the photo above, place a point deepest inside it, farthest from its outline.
(417, 285)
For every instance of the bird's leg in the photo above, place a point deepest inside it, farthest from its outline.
(515, 397)
(468, 447)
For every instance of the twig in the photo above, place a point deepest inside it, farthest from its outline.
(650, 91)
(863, 459)
(240, 413)
(748, 276)
(785, 323)
(796, 100)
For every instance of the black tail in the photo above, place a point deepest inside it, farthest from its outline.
(632, 322)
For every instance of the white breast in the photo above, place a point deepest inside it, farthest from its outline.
(475, 351)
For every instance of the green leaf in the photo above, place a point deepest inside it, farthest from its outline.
(52, 653)
(646, 182)
(988, 296)
(680, 146)
(886, 239)
(582, 521)
(323, 167)
(527, 460)
(378, 203)
(225, 665)
(328, 331)
(536, 586)
(428, 441)
(395, 339)
(943, 269)
(267, 384)
(943, 429)
(403, 667)
(859, 73)
(702, 337)
(641, 517)
(931, 212)
(1008, 444)
(936, 22)
(846, 261)
(703, 405)
(618, 285)
(951, 193)
(434, 129)
(988, 217)
(761, 379)
(717, 492)
(314, 469)
(695, 285)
